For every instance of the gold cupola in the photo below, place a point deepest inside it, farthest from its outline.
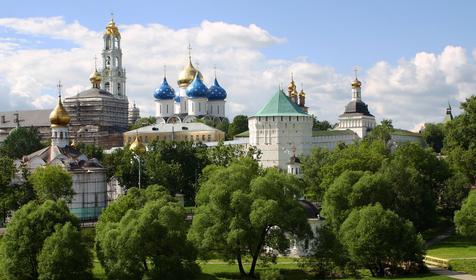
(292, 87)
(59, 116)
(188, 73)
(137, 146)
(356, 83)
(95, 78)
(111, 29)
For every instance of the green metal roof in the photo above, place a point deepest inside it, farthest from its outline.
(280, 105)
(243, 134)
(332, 132)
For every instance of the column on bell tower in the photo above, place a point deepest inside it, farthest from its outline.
(113, 74)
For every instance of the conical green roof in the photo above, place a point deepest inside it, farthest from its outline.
(280, 105)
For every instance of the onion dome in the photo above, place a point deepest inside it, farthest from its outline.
(137, 146)
(95, 78)
(216, 92)
(111, 29)
(187, 75)
(197, 89)
(302, 93)
(177, 99)
(164, 92)
(59, 116)
(356, 83)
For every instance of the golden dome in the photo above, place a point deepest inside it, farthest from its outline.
(59, 116)
(356, 83)
(111, 29)
(291, 86)
(137, 146)
(95, 78)
(302, 93)
(187, 75)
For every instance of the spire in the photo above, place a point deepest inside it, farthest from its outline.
(356, 83)
(189, 53)
(59, 116)
(449, 114)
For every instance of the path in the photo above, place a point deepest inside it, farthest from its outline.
(451, 274)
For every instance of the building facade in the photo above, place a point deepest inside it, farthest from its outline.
(88, 176)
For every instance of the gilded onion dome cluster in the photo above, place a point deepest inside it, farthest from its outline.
(216, 92)
(165, 91)
(188, 75)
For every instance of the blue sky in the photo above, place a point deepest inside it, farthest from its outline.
(338, 33)
(419, 54)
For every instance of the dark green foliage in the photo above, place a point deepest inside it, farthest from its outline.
(465, 219)
(221, 124)
(223, 155)
(455, 191)
(381, 241)
(143, 236)
(382, 132)
(320, 125)
(64, 256)
(25, 235)
(91, 151)
(460, 144)
(239, 125)
(124, 166)
(177, 166)
(20, 142)
(52, 182)
(434, 135)
(240, 210)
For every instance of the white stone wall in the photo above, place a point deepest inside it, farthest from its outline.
(331, 141)
(164, 108)
(216, 108)
(278, 136)
(360, 124)
(60, 136)
(197, 106)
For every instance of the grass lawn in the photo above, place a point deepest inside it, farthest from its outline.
(468, 266)
(454, 247)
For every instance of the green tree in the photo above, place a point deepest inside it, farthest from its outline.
(460, 143)
(7, 171)
(465, 219)
(455, 191)
(312, 166)
(20, 142)
(177, 166)
(382, 132)
(240, 210)
(434, 135)
(149, 241)
(380, 240)
(223, 155)
(237, 126)
(320, 125)
(91, 151)
(64, 256)
(124, 166)
(52, 182)
(25, 235)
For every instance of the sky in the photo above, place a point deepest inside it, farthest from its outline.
(413, 56)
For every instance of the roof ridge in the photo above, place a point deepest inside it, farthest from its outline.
(280, 105)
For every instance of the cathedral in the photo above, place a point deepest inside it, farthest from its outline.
(101, 114)
(194, 99)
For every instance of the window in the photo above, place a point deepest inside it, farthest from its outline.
(203, 137)
(118, 88)
(211, 109)
(218, 109)
(167, 108)
(199, 107)
(107, 86)
(209, 138)
(266, 118)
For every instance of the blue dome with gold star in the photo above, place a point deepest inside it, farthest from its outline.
(164, 92)
(216, 92)
(197, 89)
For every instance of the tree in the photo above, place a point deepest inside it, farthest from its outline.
(177, 166)
(434, 135)
(381, 241)
(382, 132)
(52, 182)
(7, 171)
(148, 241)
(318, 125)
(25, 235)
(240, 210)
(91, 151)
(21, 141)
(312, 166)
(456, 189)
(465, 219)
(64, 256)
(223, 155)
(237, 126)
(124, 166)
(460, 143)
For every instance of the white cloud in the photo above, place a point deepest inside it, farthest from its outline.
(410, 92)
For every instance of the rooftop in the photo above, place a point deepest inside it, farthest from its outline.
(169, 127)
(280, 105)
(36, 118)
(317, 133)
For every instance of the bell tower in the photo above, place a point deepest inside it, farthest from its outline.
(113, 74)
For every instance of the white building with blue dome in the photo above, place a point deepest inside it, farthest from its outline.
(192, 100)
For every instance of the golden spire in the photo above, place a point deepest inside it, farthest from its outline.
(111, 28)
(188, 73)
(59, 116)
(292, 86)
(137, 146)
(356, 83)
(302, 90)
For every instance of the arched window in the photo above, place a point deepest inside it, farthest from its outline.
(107, 86)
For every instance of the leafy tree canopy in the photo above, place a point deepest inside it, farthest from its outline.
(20, 142)
(237, 126)
(381, 241)
(240, 210)
(465, 219)
(52, 182)
(434, 135)
(143, 122)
